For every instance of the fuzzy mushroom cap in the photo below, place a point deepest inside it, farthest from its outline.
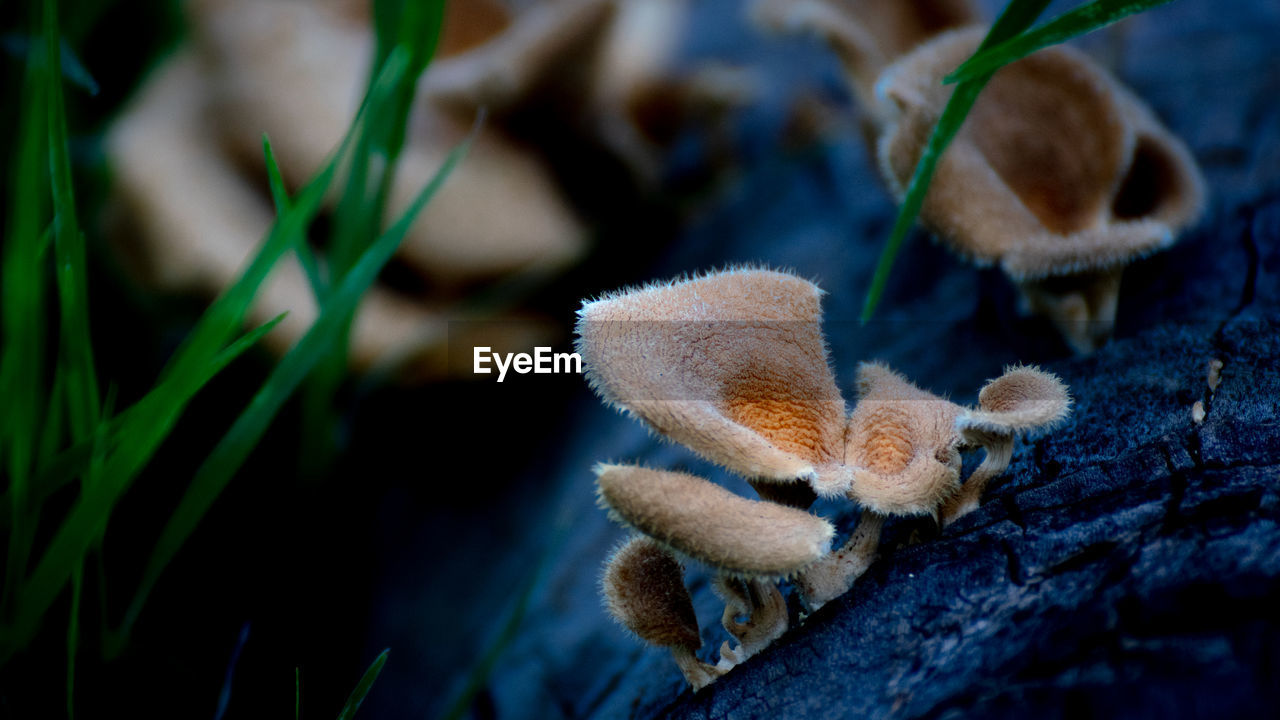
(643, 588)
(732, 365)
(1023, 398)
(902, 445)
(711, 524)
(1058, 170)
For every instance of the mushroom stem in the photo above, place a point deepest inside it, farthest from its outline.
(698, 673)
(764, 609)
(833, 575)
(1082, 307)
(999, 451)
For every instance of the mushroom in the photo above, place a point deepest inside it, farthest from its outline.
(1059, 175)
(194, 220)
(734, 366)
(749, 543)
(193, 195)
(295, 68)
(194, 198)
(643, 589)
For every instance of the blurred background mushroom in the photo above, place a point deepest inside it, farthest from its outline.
(192, 178)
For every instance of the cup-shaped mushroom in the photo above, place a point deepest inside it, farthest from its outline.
(1059, 175)
(732, 365)
(902, 445)
(708, 523)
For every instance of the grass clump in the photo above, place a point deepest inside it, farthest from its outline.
(59, 434)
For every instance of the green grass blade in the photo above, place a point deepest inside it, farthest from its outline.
(409, 29)
(51, 434)
(75, 349)
(949, 123)
(280, 198)
(363, 687)
(89, 515)
(74, 461)
(1017, 16)
(224, 316)
(1074, 23)
(149, 423)
(22, 315)
(415, 27)
(230, 453)
(73, 636)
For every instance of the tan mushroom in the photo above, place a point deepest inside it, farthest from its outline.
(749, 543)
(294, 69)
(758, 397)
(605, 67)
(748, 537)
(734, 366)
(1059, 175)
(643, 589)
(194, 221)
(194, 202)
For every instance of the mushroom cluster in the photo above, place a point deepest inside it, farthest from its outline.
(734, 366)
(191, 181)
(1060, 175)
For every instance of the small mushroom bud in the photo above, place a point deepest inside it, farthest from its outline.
(711, 524)
(1023, 398)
